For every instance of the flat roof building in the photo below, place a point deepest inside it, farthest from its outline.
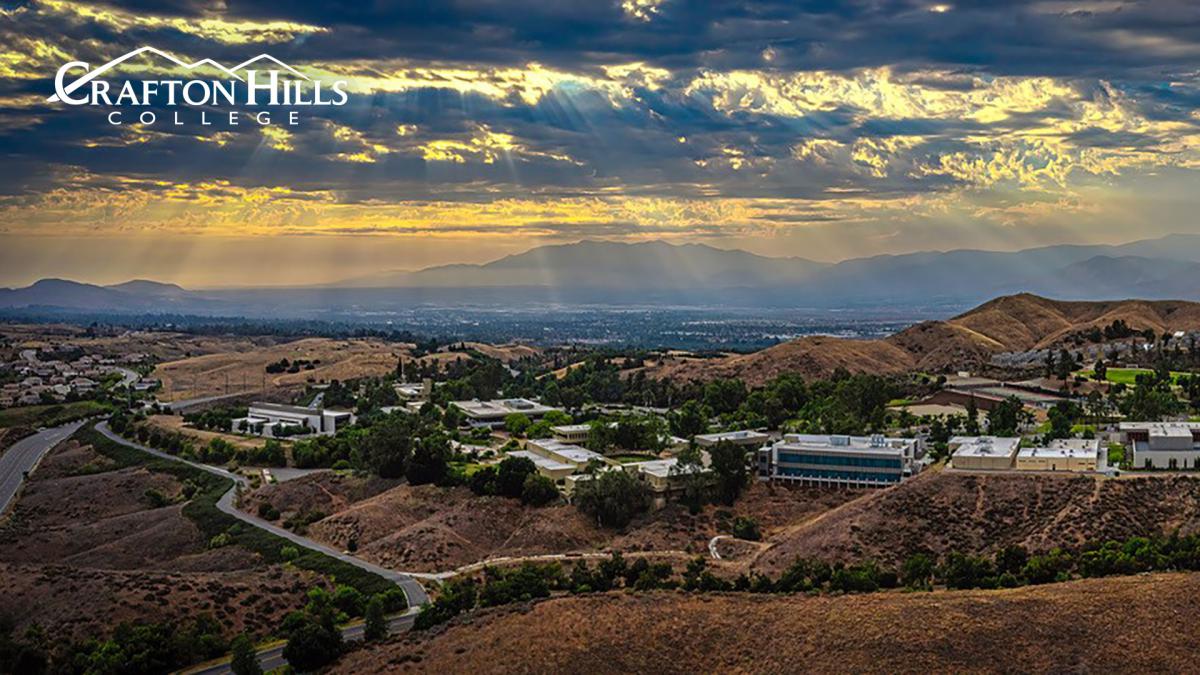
(1063, 454)
(550, 468)
(492, 413)
(262, 418)
(860, 461)
(1163, 445)
(983, 452)
(571, 433)
(746, 438)
(566, 453)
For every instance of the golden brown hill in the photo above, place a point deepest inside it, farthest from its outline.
(1115, 625)
(1011, 323)
(815, 356)
(940, 511)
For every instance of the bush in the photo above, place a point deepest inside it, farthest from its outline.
(511, 475)
(613, 498)
(745, 527)
(245, 660)
(267, 511)
(289, 553)
(376, 622)
(538, 490)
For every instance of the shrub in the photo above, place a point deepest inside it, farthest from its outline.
(538, 490)
(745, 527)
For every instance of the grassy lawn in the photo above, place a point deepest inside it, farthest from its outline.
(202, 510)
(468, 469)
(631, 458)
(1127, 376)
(50, 415)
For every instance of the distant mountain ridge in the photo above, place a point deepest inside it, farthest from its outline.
(1014, 323)
(606, 264)
(660, 273)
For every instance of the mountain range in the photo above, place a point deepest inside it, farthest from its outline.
(1010, 324)
(649, 273)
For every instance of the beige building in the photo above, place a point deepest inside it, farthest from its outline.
(983, 452)
(571, 433)
(1064, 454)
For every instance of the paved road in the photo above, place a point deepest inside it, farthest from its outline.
(186, 403)
(271, 657)
(412, 589)
(128, 377)
(24, 455)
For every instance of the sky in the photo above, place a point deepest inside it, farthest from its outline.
(478, 128)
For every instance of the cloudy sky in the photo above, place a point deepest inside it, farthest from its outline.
(478, 128)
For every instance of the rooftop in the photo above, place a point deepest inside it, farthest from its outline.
(542, 462)
(735, 436)
(1065, 448)
(984, 446)
(502, 407)
(871, 444)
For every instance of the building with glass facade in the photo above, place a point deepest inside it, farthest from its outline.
(859, 461)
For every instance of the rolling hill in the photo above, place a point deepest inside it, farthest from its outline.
(1113, 625)
(1014, 323)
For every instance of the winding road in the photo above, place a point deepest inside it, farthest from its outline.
(24, 455)
(272, 657)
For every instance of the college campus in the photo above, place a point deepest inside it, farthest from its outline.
(619, 336)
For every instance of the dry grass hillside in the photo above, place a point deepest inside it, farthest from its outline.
(1115, 625)
(432, 529)
(245, 370)
(980, 513)
(1008, 324)
(809, 356)
(83, 550)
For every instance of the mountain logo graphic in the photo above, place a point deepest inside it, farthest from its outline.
(64, 90)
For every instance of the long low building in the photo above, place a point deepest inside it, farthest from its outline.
(568, 453)
(983, 452)
(1163, 445)
(548, 467)
(1064, 454)
(491, 414)
(263, 417)
(745, 438)
(858, 461)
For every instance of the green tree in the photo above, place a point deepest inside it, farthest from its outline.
(613, 498)
(971, 426)
(1007, 417)
(689, 420)
(517, 423)
(538, 490)
(428, 462)
(729, 466)
(511, 475)
(387, 446)
(245, 658)
(376, 623)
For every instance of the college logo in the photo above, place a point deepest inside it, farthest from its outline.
(250, 87)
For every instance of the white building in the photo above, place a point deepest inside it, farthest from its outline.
(1064, 454)
(491, 414)
(264, 416)
(859, 461)
(566, 453)
(571, 433)
(983, 452)
(745, 438)
(1163, 445)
